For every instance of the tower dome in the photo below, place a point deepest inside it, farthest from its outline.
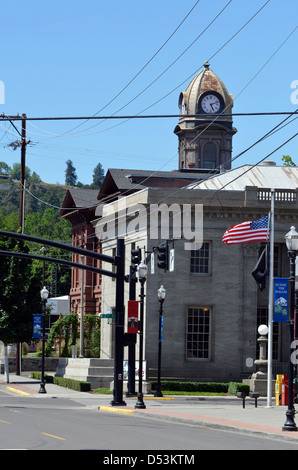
(205, 127)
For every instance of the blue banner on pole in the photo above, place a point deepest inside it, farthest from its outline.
(280, 309)
(37, 319)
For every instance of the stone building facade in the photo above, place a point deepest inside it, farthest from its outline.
(213, 305)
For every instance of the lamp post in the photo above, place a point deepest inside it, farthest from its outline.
(161, 294)
(292, 246)
(142, 275)
(44, 293)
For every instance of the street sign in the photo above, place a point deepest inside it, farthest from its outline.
(280, 312)
(132, 316)
(37, 320)
(107, 315)
(152, 263)
(172, 260)
(161, 328)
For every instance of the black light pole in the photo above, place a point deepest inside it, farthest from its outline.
(44, 293)
(131, 380)
(161, 294)
(292, 246)
(142, 274)
(119, 326)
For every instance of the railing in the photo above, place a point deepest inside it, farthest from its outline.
(281, 195)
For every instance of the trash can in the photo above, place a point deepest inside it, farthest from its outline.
(278, 390)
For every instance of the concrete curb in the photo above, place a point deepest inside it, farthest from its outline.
(116, 410)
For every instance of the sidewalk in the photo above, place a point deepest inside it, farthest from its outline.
(216, 412)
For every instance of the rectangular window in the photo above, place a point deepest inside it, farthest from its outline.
(198, 332)
(200, 259)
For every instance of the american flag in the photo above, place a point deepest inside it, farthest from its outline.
(247, 232)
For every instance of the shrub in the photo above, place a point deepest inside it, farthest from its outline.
(211, 387)
(235, 387)
(77, 385)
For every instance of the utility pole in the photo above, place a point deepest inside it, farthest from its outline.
(21, 216)
(21, 144)
(23, 169)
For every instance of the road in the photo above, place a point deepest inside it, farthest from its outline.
(63, 424)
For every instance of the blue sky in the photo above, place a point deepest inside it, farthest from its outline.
(72, 58)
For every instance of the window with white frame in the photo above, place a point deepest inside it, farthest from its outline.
(198, 332)
(200, 259)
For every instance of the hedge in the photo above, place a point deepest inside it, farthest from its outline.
(212, 387)
(77, 385)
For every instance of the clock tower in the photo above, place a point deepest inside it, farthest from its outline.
(205, 128)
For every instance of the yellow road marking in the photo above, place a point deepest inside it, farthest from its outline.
(20, 392)
(156, 398)
(56, 437)
(6, 422)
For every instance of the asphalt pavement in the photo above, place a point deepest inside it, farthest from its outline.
(216, 412)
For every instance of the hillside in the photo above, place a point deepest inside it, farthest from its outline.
(38, 196)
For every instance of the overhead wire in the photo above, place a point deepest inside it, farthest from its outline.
(275, 129)
(187, 79)
(193, 183)
(164, 71)
(136, 75)
(237, 96)
(234, 36)
(182, 83)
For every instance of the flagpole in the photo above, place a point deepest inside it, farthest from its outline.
(270, 303)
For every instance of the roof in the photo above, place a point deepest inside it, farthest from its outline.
(262, 176)
(205, 81)
(84, 197)
(79, 198)
(132, 180)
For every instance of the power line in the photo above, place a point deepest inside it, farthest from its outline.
(187, 79)
(167, 68)
(139, 72)
(211, 175)
(149, 116)
(153, 104)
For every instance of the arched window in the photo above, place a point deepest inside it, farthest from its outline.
(209, 155)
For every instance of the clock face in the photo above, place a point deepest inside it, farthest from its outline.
(210, 104)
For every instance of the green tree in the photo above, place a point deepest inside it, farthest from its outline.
(4, 168)
(51, 227)
(70, 174)
(16, 172)
(98, 176)
(20, 296)
(287, 160)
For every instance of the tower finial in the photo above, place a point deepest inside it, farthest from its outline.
(206, 65)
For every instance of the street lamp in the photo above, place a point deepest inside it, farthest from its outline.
(44, 293)
(292, 246)
(161, 294)
(142, 275)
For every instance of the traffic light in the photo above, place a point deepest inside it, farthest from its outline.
(136, 256)
(163, 256)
